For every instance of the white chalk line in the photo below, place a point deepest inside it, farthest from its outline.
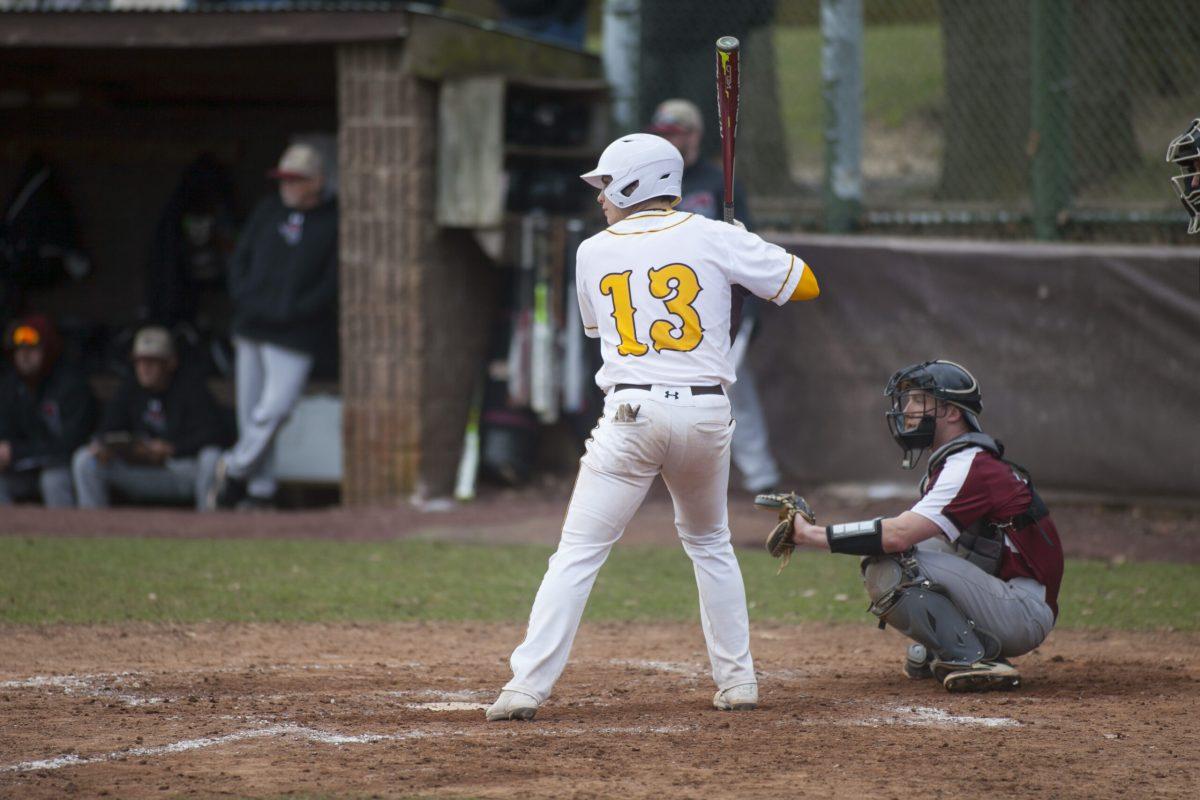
(92, 685)
(462, 695)
(937, 718)
(86, 685)
(673, 667)
(311, 734)
(323, 737)
(38, 681)
(452, 705)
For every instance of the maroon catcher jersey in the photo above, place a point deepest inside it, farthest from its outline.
(973, 485)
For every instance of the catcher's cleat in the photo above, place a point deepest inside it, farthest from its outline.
(917, 663)
(512, 705)
(737, 698)
(981, 676)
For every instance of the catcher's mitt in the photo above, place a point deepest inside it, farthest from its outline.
(781, 542)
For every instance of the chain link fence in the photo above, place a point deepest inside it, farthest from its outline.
(1010, 117)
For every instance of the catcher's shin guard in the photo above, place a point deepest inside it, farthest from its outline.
(918, 608)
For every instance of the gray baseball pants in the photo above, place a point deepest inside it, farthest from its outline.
(270, 380)
(177, 480)
(751, 441)
(54, 483)
(1014, 611)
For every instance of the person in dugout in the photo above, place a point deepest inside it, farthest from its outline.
(160, 436)
(46, 411)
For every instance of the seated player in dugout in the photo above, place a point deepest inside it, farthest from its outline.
(1184, 151)
(46, 411)
(160, 435)
(971, 572)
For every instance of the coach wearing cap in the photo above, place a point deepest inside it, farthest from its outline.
(283, 283)
(160, 436)
(46, 411)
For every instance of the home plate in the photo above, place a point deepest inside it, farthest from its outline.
(452, 705)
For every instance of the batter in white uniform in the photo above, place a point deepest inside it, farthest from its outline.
(655, 289)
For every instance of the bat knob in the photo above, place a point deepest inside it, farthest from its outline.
(728, 43)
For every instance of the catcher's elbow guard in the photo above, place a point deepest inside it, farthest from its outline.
(856, 538)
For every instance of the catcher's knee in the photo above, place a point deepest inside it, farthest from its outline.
(881, 574)
(921, 610)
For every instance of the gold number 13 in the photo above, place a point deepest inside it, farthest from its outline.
(678, 287)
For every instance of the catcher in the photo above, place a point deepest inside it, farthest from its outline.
(972, 571)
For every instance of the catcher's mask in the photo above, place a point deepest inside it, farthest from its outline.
(925, 387)
(1184, 150)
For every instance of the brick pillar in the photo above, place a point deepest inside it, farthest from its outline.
(415, 301)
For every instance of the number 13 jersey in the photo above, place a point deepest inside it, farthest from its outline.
(655, 288)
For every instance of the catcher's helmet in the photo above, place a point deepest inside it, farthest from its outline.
(946, 382)
(641, 166)
(1184, 150)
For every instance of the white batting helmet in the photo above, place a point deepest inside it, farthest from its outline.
(641, 166)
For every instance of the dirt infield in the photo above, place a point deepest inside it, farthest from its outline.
(396, 711)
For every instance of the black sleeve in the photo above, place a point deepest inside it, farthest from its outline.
(239, 264)
(77, 409)
(116, 413)
(200, 420)
(78, 414)
(319, 298)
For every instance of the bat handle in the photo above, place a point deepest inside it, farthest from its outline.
(729, 213)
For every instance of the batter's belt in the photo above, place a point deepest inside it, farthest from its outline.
(645, 387)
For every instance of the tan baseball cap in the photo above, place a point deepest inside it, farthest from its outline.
(299, 161)
(676, 116)
(153, 341)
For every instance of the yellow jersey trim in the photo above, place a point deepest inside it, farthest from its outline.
(787, 278)
(655, 230)
(807, 288)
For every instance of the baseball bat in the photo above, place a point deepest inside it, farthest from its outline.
(728, 97)
(542, 395)
(468, 463)
(522, 329)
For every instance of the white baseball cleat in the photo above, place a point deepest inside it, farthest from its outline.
(737, 698)
(512, 705)
(981, 676)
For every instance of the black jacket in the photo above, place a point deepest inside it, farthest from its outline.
(45, 424)
(283, 277)
(704, 193)
(186, 415)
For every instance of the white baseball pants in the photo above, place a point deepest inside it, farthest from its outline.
(752, 442)
(686, 439)
(270, 380)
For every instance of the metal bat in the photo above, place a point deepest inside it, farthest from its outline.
(574, 369)
(543, 397)
(468, 464)
(520, 344)
(728, 97)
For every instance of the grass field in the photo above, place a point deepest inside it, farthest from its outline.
(55, 580)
